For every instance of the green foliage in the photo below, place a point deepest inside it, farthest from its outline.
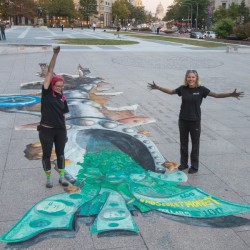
(4, 10)
(224, 27)
(180, 10)
(90, 41)
(220, 13)
(145, 29)
(120, 10)
(87, 8)
(242, 30)
(138, 13)
(239, 13)
(25, 8)
(244, 12)
(61, 8)
(195, 42)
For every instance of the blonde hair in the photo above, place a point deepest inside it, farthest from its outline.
(197, 84)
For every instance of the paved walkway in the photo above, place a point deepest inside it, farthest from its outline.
(225, 141)
(43, 36)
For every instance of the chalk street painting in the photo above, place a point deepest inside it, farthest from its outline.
(114, 169)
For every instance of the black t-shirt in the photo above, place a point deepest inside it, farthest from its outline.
(53, 109)
(191, 102)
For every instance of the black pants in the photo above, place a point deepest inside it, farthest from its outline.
(3, 36)
(48, 137)
(194, 129)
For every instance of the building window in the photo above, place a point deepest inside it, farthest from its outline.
(224, 5)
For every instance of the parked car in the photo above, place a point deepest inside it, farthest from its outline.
(210, 34)
(237, 37)
(182, 30)
(196, 34)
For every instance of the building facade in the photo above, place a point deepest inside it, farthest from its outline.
(226, 3)
(104, 17)
(137, 3)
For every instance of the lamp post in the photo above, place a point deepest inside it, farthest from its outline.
(197, 10)
(191, 15)
(188, 12)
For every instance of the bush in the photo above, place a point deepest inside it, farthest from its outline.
(145, 29)
(224, 27)
(242, 30)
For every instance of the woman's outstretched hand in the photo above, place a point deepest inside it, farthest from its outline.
(237, 94)
(152, 86)
(56, 49)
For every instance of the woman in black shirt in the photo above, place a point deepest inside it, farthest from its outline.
(192, 94)
(52, 126)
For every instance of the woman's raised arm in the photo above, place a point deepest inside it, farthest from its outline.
(51, 67)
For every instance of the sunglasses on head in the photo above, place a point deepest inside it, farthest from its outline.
(61, 87)
(191, 71)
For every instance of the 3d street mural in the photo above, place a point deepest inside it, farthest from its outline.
(114, 169)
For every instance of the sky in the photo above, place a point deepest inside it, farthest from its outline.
(151, 5)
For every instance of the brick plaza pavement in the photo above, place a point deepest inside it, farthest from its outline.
(225, 139)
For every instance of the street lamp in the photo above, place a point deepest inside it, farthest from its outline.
(191, 14)
(188, 12)
(197, 10)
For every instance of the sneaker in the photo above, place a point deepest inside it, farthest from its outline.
(63, 182)
(49, 183)
(181, 167)
(192, 170)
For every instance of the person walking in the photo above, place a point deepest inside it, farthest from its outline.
(118, 31)
(192, 94)
(158, 30)
(52, 128)
(94, 26)
(2, 27)
(62, 26)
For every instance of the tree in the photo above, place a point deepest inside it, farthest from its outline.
(244, 12)
(61, 8)
(220, 13)
(138, 13)
(224, 27)
(120, 10)
(177, 10)
(20, 8)
(239, 13)
(4, 9)
(87, 8)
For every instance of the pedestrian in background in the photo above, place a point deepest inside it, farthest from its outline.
(118, 31)
(62, 26)
(52, 129)
(2, 27)
(192, 94)
(94, 26)
(158, 30)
